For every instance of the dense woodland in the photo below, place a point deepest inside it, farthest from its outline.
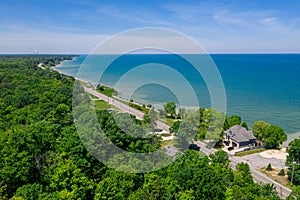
(42, 156)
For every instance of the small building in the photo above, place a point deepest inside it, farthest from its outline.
(239, 136)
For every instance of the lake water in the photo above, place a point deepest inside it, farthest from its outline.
(258, 86)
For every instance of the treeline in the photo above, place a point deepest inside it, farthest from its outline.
(42, 156)
(209, 124)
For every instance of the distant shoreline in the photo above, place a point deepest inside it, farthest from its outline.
(291, 134)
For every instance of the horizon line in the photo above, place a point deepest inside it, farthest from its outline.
(152, 53)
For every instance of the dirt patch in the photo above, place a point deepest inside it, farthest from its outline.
(278, 154)
(273, 174)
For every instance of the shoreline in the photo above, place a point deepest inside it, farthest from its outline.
(290, 136)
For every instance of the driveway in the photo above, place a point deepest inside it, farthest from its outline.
(258, 162)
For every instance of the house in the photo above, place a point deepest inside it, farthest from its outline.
(239, 136)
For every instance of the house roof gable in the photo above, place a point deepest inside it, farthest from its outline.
(239, 134)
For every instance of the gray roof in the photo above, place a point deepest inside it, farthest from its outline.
(239, 134)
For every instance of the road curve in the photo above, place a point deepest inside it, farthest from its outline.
(257, 176)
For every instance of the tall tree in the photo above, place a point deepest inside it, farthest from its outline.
(231, 121)
(170, 109)
(185, 135)
(181, 113)
(220, 157)
(153, 117)
(259, 128)
(274, 136)
(293, 161)
(295, 194)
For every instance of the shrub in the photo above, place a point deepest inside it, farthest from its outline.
(269, 167)
(281, 172)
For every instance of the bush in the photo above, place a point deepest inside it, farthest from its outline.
(281, 173)
(269, 167)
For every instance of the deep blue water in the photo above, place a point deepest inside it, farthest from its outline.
(258, 86)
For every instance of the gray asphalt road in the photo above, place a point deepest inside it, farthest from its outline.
(124, 107)
(257, 176)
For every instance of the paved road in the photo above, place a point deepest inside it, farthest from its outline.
(124, 107)
(41, 66)
(258, 161)
(257, 176)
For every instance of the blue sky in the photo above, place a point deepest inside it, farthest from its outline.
(76, 26)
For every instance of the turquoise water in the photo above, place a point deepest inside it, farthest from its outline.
(258, 87)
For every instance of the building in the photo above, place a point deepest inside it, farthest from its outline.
(239, 136)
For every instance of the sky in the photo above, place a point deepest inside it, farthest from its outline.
(77, 26)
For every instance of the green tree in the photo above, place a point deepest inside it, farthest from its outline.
(170, 109)
(181, 113)
(69, 180)
(259, 129)
(231, 121)
(274, 136)
(245, 125)
(213, 124)
(293, 161)
(175, 127)
(153, 188)
(117, 185)
(162, 113)
(269, 167)
(220, 157)
(268, 191)
(186, 195)
(153, 117)
(43, 157)
(185, 135)
(295, 194)
(30, 192)
(281, 172)
(243, 177)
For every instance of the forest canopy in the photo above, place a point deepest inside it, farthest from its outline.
(42, 156)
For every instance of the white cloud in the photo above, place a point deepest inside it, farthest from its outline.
(269, 20)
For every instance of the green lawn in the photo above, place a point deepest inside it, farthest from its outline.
(168, 121)
(167, 143)
(250, 152)
(103, 105)
(138, 107)
(107, 90)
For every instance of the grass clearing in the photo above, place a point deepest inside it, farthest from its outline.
(138, 107)
(167, 121)
(167, 143)
(250, 152)
(103, 105)
(273, 174)
(107, 90)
